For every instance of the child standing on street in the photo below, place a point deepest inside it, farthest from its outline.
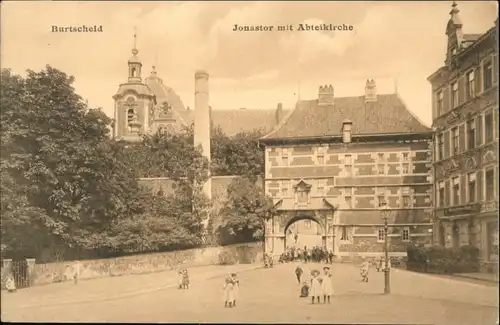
(236, 288)
(326, 284)
(228, 292)
(180, 277)
(315, 286)
(185, 279)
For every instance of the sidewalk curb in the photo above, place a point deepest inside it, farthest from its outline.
(475, 278)
(132, 294)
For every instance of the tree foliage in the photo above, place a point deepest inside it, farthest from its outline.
(66, 183)
(236, 155)
(245, 212)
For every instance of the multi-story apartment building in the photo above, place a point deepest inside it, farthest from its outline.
(335, 160)
(465, 120)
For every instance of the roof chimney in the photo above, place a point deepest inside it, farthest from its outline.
(279, 113)
(370, 91)
(325, 95)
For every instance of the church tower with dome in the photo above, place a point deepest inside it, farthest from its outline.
(144, 107)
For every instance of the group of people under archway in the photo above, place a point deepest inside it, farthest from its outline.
(316, 254)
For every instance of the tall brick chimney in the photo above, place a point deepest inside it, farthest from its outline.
(370, 91)
(202, 120)
(325, 95)
(279, 113)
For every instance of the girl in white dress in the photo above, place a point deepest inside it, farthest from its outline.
(228, 292)
(326, 284)
(236, 288)
(364, 269)
(315, 291)
(180, 278)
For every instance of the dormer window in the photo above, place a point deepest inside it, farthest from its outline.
(346, 131)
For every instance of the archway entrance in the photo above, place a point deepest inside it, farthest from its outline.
(303, 232)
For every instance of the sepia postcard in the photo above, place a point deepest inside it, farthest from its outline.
(249, 162)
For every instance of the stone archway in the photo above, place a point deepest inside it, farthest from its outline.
(276, 227)
(305, 231)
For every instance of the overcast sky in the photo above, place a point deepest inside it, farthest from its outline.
(403, 41)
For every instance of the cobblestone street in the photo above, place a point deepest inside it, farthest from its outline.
(266, 295)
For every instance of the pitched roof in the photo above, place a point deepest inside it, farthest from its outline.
(471, 37)
(387, 115)
(233, 121)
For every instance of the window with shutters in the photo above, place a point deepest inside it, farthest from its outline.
(471, 187)
(471, 134)
(471, 87)
(439, 102)
(488, 127)
(441, 194)
(441, 146)
(455, 142)
(456, 191)
(487, 75)
(405, 234)
(406, 156)
(381, 169)
(454, 94)
(380, 157)
(490, 184)
(380, 235)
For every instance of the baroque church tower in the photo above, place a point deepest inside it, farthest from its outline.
(133, 102)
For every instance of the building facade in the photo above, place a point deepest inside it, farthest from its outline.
(465, 120)
(334, 160)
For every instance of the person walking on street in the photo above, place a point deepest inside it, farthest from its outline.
(365, 267)
(298, 273)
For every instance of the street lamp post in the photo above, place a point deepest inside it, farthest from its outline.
(385, 212)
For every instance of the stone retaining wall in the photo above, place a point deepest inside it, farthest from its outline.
(145, 263)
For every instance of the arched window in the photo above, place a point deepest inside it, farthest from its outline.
(131, 117)
(134, 72)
